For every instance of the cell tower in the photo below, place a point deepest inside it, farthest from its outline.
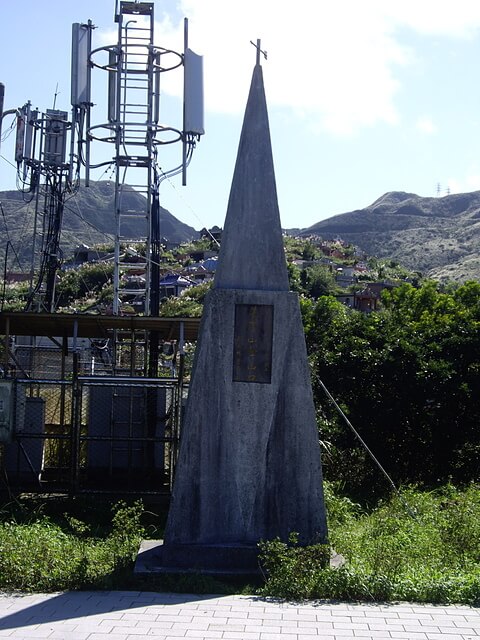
(45, 175)
(133, 67)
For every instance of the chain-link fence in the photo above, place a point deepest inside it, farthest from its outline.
(94, 433)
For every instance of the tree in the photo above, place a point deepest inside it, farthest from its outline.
(409, 380)
(318, 281)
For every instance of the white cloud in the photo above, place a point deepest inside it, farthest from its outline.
(426, 125)
(470, 182)
(330, 63)
(333, 63)
(436, 17)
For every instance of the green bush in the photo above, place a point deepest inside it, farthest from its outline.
(389, 555)
(408, 380)
(44, 556)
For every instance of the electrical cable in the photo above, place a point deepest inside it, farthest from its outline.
(367, 449)
(9, 241)
(4, 290)
(167, 175)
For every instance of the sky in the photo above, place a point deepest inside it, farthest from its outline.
(364, 97)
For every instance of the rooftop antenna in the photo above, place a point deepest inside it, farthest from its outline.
(55, 96)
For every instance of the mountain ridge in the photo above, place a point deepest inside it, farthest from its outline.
(439, 237)
(88, 219)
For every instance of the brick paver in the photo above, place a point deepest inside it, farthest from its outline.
(133, 615)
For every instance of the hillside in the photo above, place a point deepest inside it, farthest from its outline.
(439, 237)
(88, 219)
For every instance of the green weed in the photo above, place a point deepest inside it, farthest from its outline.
(390, 555)
(42, 555)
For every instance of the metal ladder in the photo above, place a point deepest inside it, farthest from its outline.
(133, 154)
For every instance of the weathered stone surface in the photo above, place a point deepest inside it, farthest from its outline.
(252, 254)
(249, 464)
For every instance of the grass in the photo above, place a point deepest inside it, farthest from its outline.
(431, 556)
(39, 552)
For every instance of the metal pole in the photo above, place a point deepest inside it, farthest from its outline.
(2, 96)
(184, 141)
(76, 417)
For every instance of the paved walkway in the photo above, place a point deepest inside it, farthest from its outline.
(133, 615)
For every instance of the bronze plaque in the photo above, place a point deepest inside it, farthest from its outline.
(253, 338)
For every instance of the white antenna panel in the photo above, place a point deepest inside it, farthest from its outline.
(81, 36)
(194, 122)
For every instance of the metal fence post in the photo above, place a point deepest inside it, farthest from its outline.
(76, 417)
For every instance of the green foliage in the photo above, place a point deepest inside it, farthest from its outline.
(90, 279)
(15, 296)
(198, 292)
(188, 305)
(291, 569)
(407, 378)
(318, 281)
(310, 251)
(294, 277)
(389, 555)
(293, 247)
(42, 555)
(202, 244)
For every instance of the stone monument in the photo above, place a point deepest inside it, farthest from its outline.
(249, 462)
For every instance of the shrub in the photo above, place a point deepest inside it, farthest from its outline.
(390, 555)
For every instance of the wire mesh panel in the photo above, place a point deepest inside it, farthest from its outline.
(94, 434)
(128, 432)
(41, 432)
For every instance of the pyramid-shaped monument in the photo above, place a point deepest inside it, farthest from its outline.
(249, 463)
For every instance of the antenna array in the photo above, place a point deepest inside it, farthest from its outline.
(134, 66)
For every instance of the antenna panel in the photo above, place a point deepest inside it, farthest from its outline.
(55, 137)
(20, 139)
(81, 45)
(194, 122)
(112, 86)
(31, 117)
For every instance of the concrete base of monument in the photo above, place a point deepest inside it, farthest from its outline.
(221, 561)
(218, 560)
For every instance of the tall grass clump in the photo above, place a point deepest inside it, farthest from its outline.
(390, 554)
(45, 555)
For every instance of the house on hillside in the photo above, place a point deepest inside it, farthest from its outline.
(344, 276)
(215, 233)
(173, 285)
(198, 273)
(16, 276)
(210, 264)
(198, 256)
(366, 300)
(378, 287)
(169, 244)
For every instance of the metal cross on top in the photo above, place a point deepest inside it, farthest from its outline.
(259, 50)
